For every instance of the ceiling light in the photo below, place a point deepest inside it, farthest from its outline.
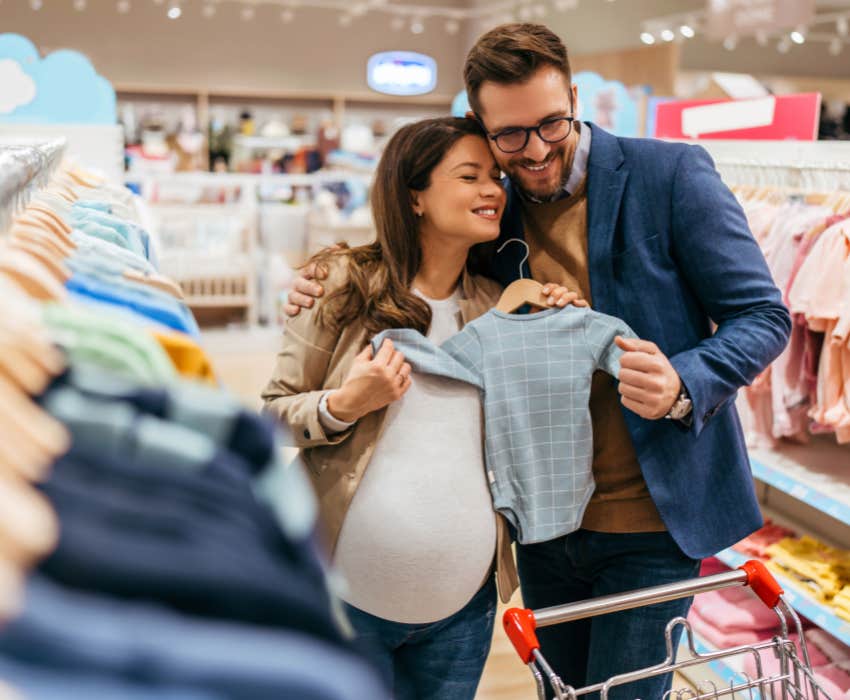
(647, 38)
(687, 31)
(784, 45)
(730, 43)
(123, 6)
(761, 38)
(247, 13)
(287, 15)
(842, 26)
(345, 20)
(668, 35)
(540, 11)
(836, 46)
(417, 26)
(798, 36)
(174, 11)
(208, 10)
(564, 5)
(358, 10)
(452, 26)
(397, 23)
(79, 5)
(36, 4)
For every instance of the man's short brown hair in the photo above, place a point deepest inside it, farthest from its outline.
(511, 53)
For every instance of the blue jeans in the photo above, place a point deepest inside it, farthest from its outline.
(440, 660)
(587, 564)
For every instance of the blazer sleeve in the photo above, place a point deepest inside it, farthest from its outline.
(722, 263)
(293, 394)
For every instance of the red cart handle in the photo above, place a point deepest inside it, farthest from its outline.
(761, 581)
(519, 626)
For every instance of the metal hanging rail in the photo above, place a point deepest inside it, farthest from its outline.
(24, 166)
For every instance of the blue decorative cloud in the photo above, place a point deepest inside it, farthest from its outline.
(607, 103)
(68, 90)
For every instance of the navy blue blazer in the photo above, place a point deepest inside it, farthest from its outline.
(670, 251)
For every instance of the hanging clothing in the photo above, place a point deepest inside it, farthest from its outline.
(535, 374)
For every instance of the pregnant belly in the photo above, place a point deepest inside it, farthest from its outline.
(418, 539)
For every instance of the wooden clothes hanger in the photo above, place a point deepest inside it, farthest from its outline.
(28, 526)
(35, 233)
(31, 276)
(522, 291)
(160, 282)
(46, 256)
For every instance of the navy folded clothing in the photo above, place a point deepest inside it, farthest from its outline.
(64, 633)
(195, 539)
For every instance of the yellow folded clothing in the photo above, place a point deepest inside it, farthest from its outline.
(822, 569)
(188, 357)
(841, 603)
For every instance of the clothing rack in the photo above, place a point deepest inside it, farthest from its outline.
(818, 166)
(25, 165)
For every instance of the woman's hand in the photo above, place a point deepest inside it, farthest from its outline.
(371, 384)
(561, 296)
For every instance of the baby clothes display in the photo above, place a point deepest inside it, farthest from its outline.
(807, 388)
(162, 548)
(534, 371)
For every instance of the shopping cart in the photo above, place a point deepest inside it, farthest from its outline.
(793, 680)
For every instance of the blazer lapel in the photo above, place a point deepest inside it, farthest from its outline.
(606, 182)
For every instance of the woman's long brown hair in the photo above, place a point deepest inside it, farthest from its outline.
(378, 289)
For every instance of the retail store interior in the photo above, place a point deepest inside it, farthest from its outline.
(240, 137)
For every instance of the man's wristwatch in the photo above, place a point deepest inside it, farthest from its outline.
(682, 406)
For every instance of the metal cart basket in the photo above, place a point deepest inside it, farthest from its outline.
(793, 681)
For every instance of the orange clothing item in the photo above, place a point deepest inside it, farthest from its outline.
(188, 357)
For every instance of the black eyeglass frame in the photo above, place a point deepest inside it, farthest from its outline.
(528, 129)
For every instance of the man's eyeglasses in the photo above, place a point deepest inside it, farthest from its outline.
(515, 138)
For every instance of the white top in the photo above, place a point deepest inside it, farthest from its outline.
(419, 537)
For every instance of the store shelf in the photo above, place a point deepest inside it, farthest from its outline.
(822, 615)
(816, 474)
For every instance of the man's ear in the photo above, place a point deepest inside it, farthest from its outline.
(470, 114)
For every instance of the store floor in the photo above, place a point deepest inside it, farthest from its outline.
(244, 360)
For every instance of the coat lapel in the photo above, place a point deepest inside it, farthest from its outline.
(606, 182)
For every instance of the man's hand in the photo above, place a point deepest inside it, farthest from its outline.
(649, 385)
(305, 290)
(560, 296)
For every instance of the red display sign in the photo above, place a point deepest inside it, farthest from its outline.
(773, 118)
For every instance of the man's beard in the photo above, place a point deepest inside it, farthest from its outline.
(551, 192)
